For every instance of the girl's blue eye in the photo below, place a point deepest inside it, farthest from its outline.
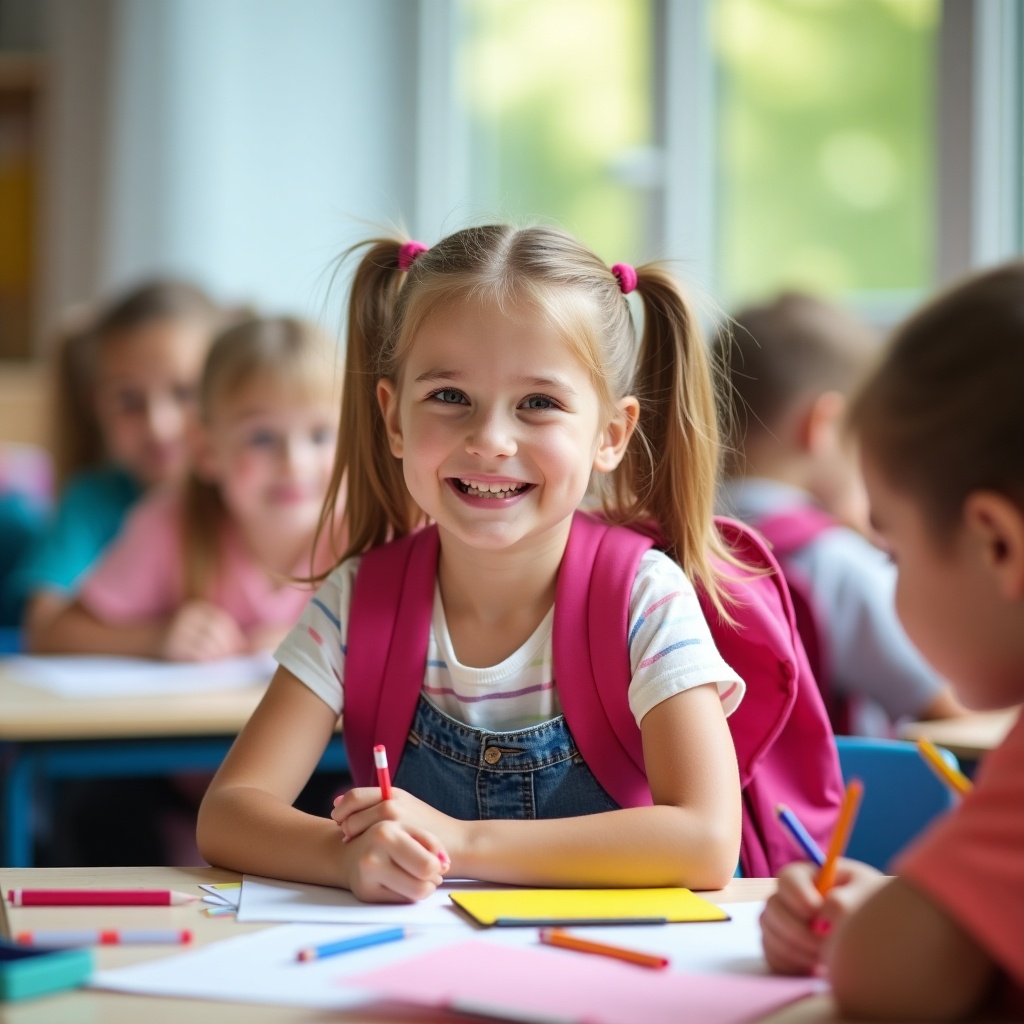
(539, 402)
(322, 435)
(261, 438)
(449, 396)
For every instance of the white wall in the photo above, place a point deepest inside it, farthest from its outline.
(244, 143)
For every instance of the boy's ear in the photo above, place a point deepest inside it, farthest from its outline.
(820, 422)
(387, 399)
(617, 434)
(998, 525)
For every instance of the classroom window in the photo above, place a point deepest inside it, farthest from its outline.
(559, 101)
(826, 146)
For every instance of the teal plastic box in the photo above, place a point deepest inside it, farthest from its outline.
(27, 971)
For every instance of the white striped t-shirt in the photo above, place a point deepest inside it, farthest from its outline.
(670, 650)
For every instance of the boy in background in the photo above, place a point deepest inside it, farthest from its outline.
(790, 365)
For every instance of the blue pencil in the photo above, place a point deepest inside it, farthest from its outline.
(347, 945)
(800, 835)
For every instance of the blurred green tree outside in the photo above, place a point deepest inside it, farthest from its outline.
(825, 125)
(560, 101)
(826, 139)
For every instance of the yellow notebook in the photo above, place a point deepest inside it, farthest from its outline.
(536, 907)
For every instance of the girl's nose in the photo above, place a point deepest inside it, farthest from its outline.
(296, 454)
(164, 419)
(491, 435)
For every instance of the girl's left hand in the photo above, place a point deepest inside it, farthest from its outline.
(358, 809)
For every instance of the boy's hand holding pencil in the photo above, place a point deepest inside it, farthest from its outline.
(815, 894)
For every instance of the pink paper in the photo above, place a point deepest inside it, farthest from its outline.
(565, 986)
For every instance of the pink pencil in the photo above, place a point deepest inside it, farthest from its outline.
(97, 898)
(380, 759)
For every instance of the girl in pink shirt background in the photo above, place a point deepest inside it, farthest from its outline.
(209, 569)
(941, 430)
(125, 380)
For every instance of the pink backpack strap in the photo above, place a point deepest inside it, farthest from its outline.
(388, 634)
(788, 532)
(591, 653)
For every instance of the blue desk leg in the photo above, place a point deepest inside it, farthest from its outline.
(18, 826)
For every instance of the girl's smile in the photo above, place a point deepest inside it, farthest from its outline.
(491, 492)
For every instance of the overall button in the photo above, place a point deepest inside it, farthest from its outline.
(492, 755)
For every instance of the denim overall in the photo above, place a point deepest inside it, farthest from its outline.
(471, 773)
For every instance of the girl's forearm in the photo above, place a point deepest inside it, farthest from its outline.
(640, 846)
(248, 830)
(74, 630)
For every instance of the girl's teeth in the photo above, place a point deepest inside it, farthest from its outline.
(498, 489)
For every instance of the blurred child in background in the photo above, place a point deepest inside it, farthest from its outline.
(125, 398)
(791, 365)
(941, 429)
(208, 570)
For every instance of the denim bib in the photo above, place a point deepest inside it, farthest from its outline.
(471, 774)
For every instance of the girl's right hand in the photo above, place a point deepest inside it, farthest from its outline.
(797, 920)
(200, 631)
(394, 863)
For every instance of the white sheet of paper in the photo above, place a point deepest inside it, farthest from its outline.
(270, 899)
(95, 676)
(260, 967)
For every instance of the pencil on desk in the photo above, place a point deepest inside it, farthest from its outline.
(350, 944)
(98, 898)
(105, 937)
(956, 780)
(841, 836)
(557, 937)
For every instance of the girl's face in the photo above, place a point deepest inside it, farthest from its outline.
(498, 426)
(145, 396)
(270, 450)
(950, 597)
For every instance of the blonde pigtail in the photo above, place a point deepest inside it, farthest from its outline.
(673, 467)
(367, 492)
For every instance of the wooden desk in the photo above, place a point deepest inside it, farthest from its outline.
(86, 1005)
(44, 737)
(970, 737)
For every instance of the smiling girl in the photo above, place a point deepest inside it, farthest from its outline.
(491, 380)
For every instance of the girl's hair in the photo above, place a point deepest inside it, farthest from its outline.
(297, 359)
(669, 472)
(943, 414)
(78, 442)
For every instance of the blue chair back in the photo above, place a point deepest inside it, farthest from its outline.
(901, 795)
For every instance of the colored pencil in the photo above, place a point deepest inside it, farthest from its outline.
(956, 780)
(350, 944)
(841, 836)
(792, 824)
(97, 898)
(380, 759)
(105, 937)
(557, 937)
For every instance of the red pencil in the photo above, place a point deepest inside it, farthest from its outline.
(97, 897)
(380, 759)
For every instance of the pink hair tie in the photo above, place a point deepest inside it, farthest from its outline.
(627, 277)
(407, 253)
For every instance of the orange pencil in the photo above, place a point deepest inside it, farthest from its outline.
(956, 780)
(841, 836)
(556, 937)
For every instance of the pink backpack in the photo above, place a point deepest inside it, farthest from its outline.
(784, 745)
(788, 532)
